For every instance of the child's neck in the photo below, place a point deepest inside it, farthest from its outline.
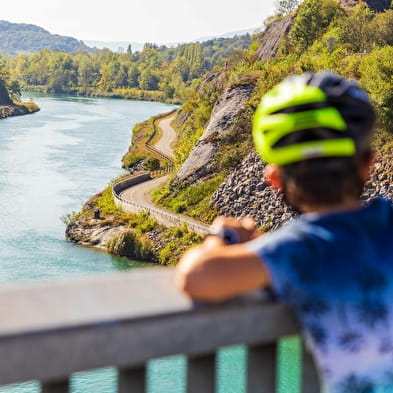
(348, 204)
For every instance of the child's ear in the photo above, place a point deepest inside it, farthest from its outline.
(272, 176)
(366, 167)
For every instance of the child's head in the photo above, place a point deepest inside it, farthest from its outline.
(315, 131)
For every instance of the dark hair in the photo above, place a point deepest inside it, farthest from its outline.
(322, 181)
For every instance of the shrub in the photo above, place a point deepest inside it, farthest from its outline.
(376, 70)
(126, 244)
(312, 20)
(143, 223)
(177, 240)
(151, 164)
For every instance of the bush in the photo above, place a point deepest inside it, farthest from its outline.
(143, 223)
(177, 240)
(376, 72)
(312, 20)
(126, 244)
(151, 164)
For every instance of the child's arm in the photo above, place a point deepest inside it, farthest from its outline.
(214, 271)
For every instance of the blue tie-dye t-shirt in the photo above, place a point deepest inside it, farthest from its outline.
(337, 272)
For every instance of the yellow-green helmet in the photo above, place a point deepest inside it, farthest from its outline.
(311, 116)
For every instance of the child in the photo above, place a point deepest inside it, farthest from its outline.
(334, 263)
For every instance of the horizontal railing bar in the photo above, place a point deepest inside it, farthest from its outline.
(123, 320)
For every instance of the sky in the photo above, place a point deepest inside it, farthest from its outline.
(139, 20)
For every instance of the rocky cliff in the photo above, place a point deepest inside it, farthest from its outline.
(225, 114)
(376, 5)
(245, 192)
(272, 38)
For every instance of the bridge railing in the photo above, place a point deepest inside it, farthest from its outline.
(51, 330)
(164, 218)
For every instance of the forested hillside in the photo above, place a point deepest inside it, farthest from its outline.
(155, 73)
(22, 37)
(215, 124)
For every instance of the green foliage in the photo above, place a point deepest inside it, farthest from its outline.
(192, 200)
(376, 71)
(143, 223)
(151, 164)
(312, 20)
(70, 218)
(177, 240)
(128, 244)
(14, 90)
(197, 111)
(355, 29)
(104, 202)
(155, 73)
(284, 7)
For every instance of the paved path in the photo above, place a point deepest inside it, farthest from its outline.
(167, 138)
(140, 193)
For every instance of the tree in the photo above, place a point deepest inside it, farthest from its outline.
(4, 78)
(62, 73)
(14, 90)
(312, 20)
(355, 29)
(105, 83)
(376, 70)
(284, 7)
(148, 80)
(87, 73)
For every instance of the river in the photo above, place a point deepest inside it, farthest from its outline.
(51, 162)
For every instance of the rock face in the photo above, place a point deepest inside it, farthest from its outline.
(376, 5)
(272, 38)
(245, 192)
(225, 113)
(91, 232)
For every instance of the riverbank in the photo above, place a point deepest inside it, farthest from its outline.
(136, 236)
(18, 109)
(117, 93)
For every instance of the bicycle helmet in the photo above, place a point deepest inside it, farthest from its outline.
(311, 116)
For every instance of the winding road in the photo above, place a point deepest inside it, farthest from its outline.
(168, 137)
(140, 193)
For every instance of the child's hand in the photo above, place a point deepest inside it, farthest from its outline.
(233, 230)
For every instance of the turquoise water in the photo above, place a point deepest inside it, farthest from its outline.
(50, 163)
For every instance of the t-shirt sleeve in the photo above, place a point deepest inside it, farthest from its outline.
(286, 256)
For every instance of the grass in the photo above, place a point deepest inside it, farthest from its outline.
(193, 200)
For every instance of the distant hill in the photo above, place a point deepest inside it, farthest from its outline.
(22, 37)
(231, 34)
(115, 46)
(121, 46)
